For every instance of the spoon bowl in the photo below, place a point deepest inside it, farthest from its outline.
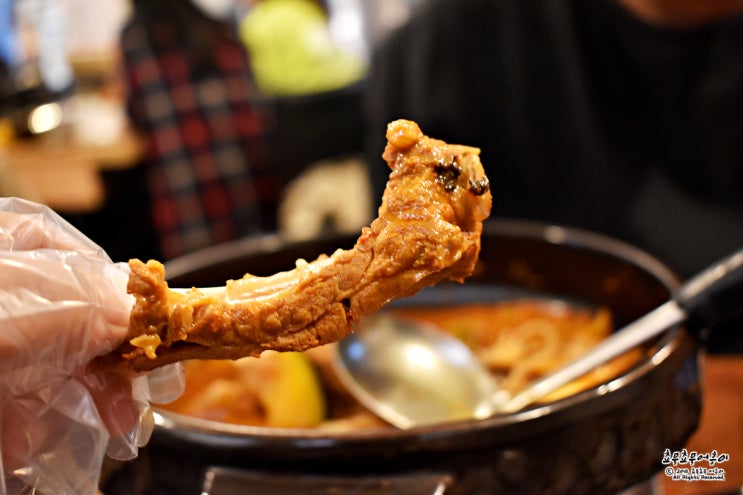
(412, 374)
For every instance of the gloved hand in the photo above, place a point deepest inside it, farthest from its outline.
(63, 302)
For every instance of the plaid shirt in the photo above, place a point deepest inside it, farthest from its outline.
(207, 161)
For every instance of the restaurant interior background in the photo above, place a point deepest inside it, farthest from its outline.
(65, 139)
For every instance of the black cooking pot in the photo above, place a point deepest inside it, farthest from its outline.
(604, 440)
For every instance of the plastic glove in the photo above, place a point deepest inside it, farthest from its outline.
(63, 302)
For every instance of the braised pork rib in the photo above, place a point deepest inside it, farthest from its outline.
(428, 229)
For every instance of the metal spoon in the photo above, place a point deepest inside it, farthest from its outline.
(411, 374)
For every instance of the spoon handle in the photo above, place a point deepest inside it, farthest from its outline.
(711, 295)
(716, 293)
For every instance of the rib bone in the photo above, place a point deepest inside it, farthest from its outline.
(428, 229)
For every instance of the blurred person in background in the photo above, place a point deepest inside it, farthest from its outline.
(190, 94)
(620, 116)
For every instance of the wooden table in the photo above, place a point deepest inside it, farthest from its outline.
(721, 427)
(63, 174)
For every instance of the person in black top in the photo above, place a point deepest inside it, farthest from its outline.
(620, 116)
(602, 114)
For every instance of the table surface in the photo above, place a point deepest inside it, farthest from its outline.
(64, 174)
(720, 429)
